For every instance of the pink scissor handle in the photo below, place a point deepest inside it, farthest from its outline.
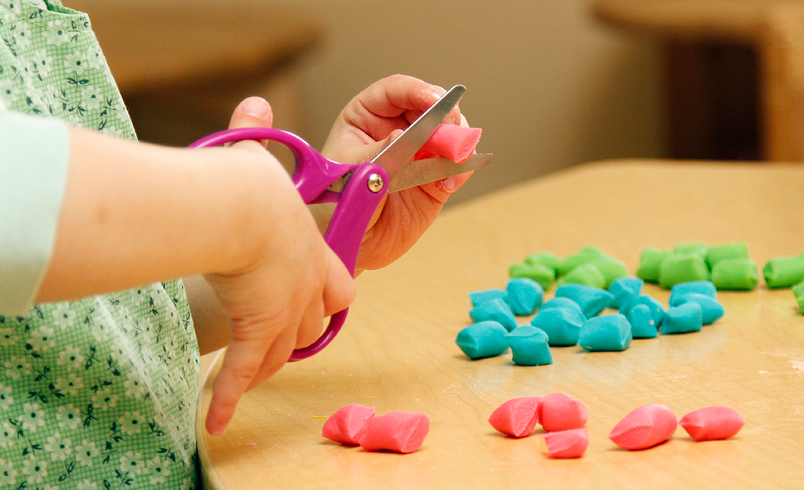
(312, 176)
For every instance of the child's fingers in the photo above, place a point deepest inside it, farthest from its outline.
(253, 112)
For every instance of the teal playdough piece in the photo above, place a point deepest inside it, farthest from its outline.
(650, 263)
(685, 318)
(711, 309)
(642, 324)
(606, 333)
(529, 346)
(727, 251)
(656, 308)
(682, 268)
(524, 295)
(735, 274)
(558, 302)
(784, 272)
(587, 274)
(494, 309)
(547, 259)
(611, 268)
(587, 254)
(478, 297)
(483, 339)
(798, 292)
(542, 274)
(592, 300)
(706, 288)
(625, 288)
(562, 325)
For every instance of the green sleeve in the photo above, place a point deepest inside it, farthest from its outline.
(34, 156)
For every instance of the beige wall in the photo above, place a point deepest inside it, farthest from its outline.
(549, 85)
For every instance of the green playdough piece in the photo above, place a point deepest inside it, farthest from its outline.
(494, 309)
(606, 333)
(611, 268)
(650, 263)
(798, 292)
(717, 253)
(542, 274)
(587, 254)
(529, 346)
(587, 274)
(682, 268)
(735, 274)
(784, 272)
(546, 259)
(483, 339)
(696, 248)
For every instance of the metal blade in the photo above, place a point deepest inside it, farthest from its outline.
(404, 147)
(420, 172)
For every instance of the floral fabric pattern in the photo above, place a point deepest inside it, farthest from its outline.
(98, 393)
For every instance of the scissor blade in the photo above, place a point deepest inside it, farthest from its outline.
(402, 150)
(420, 172)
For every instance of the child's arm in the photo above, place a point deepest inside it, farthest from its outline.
(135, 213)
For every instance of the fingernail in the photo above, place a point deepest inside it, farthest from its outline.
(255, 106)
(448, 185)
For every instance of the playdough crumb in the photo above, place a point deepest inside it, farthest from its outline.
(646, 426)
(516, 417)
(347, 425)
(566, 444)
(712, 423)
(400, 432)
(559, 411)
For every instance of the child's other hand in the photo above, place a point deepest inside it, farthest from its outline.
(365, 126)
(278, 303)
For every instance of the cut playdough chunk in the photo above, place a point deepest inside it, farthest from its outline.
(682, 268)
(494, 309)
(606, 333)
(783, 272)
(479, 297)
(347, 425)
(483, 339)
(735, 274)
(592, 300)
(642, 324)
(685, 318)
(587, 274)
(727, 251)
(644, 427)
(706, 288)
(562, 325)
(696, 248)
(451, 141)
(542, 274)
(566, 444)
(400, 432)
(559, 411)
(650, 263)
(547, 259)
(611, 268)
(530, 346)
(798, 292)
(657, 311)
(561, 303)
(587, 254)
(625, 288)
(711, 309)
(712, 423)
(516, 417)
(523, 295)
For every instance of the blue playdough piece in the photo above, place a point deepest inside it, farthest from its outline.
(606, 333)
(562, 325)
(711, 309)
(642, 324)
(479, 297)
(624, 289)
(529, 346)
(494, 309)
(685, 318)
(523, 295)
(592, 300)
(565, 303)
(483, 339)
(656, 308)
(698, 287)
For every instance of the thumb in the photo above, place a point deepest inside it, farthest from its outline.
(253, 112)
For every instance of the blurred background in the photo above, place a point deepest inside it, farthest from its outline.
(553, 83)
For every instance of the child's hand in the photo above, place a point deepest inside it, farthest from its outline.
(279, 302)
(365, 126)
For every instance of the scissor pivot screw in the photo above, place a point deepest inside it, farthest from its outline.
(375, 183)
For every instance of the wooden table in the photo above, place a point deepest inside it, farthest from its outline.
(397, 350)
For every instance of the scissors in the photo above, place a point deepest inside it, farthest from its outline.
(358, 189)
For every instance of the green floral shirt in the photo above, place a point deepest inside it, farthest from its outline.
(98, 393)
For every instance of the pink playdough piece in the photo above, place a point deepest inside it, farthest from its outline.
(451, 141)
(347, 424)
(566, 444)
(516, 417)
(645, 427)
(559, 411)
(712, 423)
(401, 432)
